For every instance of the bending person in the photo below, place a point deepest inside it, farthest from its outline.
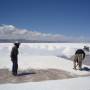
(78, 58)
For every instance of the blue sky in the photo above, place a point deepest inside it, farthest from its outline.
(66, 17)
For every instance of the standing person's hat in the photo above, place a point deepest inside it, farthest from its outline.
(16, 43)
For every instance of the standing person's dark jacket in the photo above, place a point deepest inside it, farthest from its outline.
(14, 52)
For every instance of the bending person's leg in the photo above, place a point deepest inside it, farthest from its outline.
(75, 62)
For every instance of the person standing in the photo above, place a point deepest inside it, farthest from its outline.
(78, 58)
(14, 58)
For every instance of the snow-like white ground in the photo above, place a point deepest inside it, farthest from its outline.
(45, 62)
(53, 62)
(44, 56)
(56, 49)
(68, 84)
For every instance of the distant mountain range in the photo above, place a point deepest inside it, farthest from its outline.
(37, 41)
(29, 41)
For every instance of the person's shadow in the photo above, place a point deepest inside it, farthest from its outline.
(85, 69)
(25, 73)
(23, 76)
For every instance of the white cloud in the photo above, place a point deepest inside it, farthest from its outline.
(11, 32)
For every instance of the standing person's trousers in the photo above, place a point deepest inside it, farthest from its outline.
(14, 66)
